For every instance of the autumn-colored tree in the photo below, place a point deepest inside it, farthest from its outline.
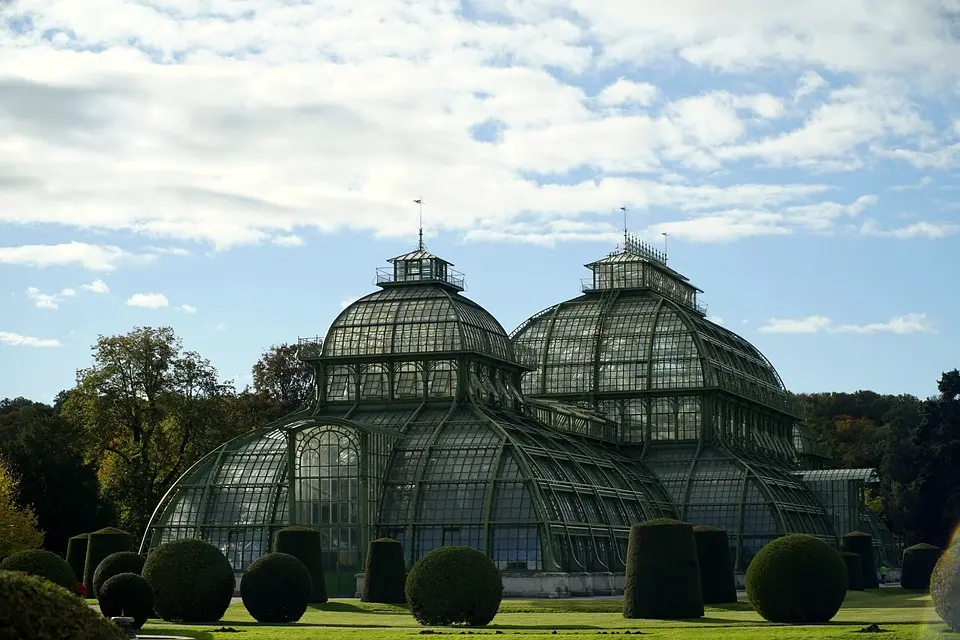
(283, 381)
(18, 524)
(148, 410)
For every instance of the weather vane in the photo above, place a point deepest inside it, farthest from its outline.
(419, 201)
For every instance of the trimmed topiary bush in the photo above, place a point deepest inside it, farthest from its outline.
(192, 581)
(303, 543)
(454, 585)
(854, 571)
(717, 582)
(101, 544)
(861, 544)
(663, 575)
(276, 588)
(384, 574)
(114, 564)
(918, 563)
(127, 595)
(945, 587)
(43, 564)
(77, 554)
(34, 608)
(797, 579)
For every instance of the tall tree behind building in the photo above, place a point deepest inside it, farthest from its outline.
(282, 381)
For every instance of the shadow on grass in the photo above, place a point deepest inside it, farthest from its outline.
(196, 634)
(340, 606)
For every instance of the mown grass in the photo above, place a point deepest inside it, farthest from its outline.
(906, 615)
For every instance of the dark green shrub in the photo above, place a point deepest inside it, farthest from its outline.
(303, 543)
(861, 544)
(37, 609)
(77, 554)
(114, 564)
(126, 595)
(101, 544)
(797, 579)
(43, 564)
(717, 582)
(663, 576)
(454, 585)
(192, 581)
(945, 587)
(385, 574)
(276, 588)
(918, 563)
(854, 571)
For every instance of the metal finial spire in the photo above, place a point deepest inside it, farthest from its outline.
(420, 228)
(664, 234)
(624, 209)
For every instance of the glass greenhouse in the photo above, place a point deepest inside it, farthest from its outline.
(432, 426)
(698, 404)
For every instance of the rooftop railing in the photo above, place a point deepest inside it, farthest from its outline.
(587, 285)
(387, 275)
(309, 348)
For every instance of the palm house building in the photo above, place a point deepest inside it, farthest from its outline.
(431, 425)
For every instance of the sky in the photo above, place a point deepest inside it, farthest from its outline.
(238, 169)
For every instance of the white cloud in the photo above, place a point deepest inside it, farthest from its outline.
(16, 339)
(626, 91)
(97, 286)
(931, 230)
(48, 300)
(188, 308)
(252, 122)
(148, 300)
(87, 256)
(925, 181)
(288, 241)
(909, 323)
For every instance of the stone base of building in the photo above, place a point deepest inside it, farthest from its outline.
(552, 585)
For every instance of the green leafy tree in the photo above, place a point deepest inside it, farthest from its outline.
(147, 410)
(18, 524)
(283, 381)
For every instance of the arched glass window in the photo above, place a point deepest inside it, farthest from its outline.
(442, 382)
(374, 382)
(341, 384)
(408, 380)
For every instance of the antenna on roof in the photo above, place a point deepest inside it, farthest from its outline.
(664, 234)
(624, 209)
(420, 228)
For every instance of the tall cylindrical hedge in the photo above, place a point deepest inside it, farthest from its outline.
(945, 587)
(101, 544)
(717, 581)
(385, 573)
(192, 581)
(861, 544)
(854, 571)
(918, 563)
(77, 554)
(663, 575)
(303, 543)
(797, 579)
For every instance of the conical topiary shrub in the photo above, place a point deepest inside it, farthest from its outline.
(303, 543)
(918, 563)
(101, 544)
(717, 581)
(854, 571)
(861, 544)
(663, 575)
(77, 554)
(385, 574)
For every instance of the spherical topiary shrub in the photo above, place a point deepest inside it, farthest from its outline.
(797, 579)
(192, 581)
(385, 574)
(77, 554)
(918, 563)
(945, 587)
(43, 564)
(717, 582)
(854, 571)
(34, 608)
(861, 544)
(101, 544)
(276, 588)
(126, 595)
(454, 585)
(303, 543)
(663, 575)
(114, 564)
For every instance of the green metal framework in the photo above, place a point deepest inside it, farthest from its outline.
(419, 431)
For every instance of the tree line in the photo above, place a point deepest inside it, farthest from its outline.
(145, 409)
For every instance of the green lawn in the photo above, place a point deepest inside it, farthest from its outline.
(908, 615)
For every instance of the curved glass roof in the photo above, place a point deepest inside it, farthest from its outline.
(416, 320)
(624, 341)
